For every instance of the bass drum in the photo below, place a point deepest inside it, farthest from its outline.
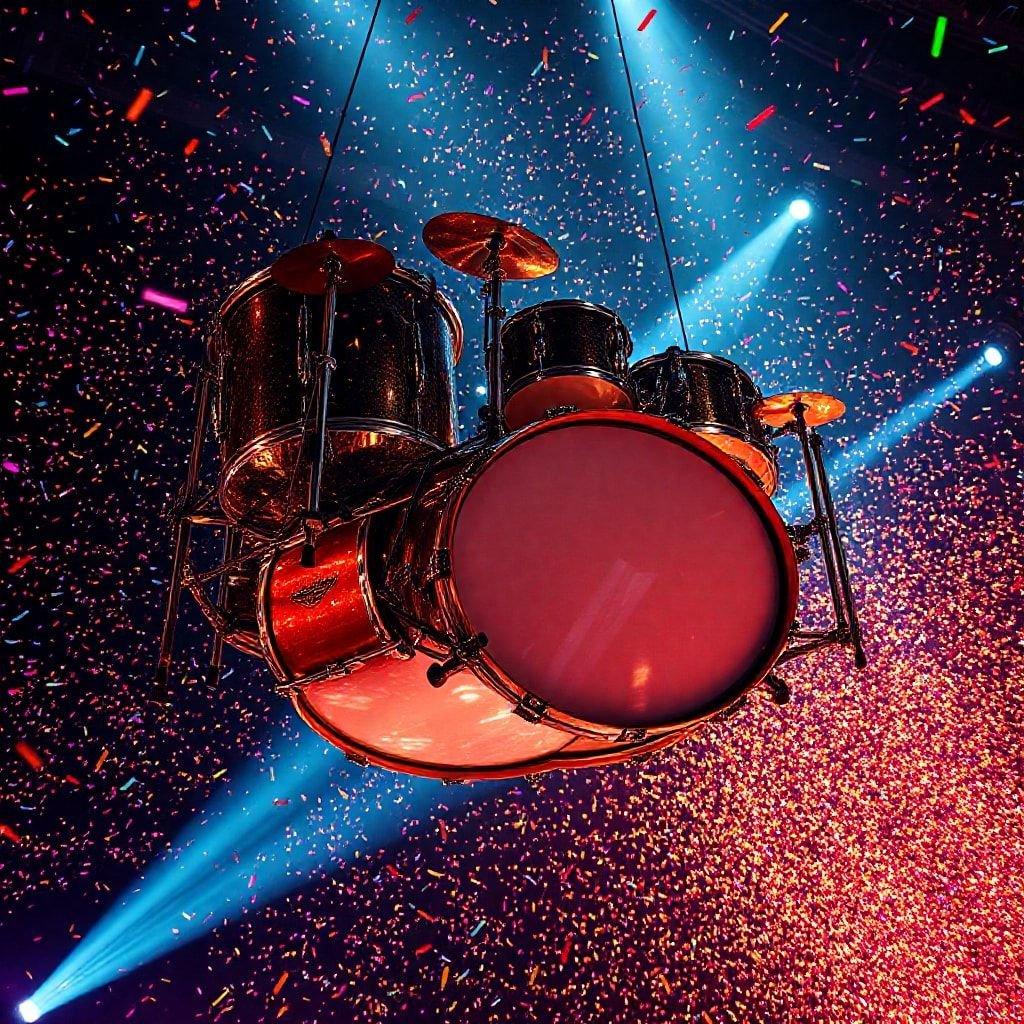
(327, 638)
(621, 576)
(391, 399)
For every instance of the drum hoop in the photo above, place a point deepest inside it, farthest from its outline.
(561, 758)
(255, 282)
(564, 304)
(573, 370)
(289, 431)
(768, 450)
(268, 641)
(485, 666)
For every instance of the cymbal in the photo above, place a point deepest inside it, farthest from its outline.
(777, 410)
(363, 264)
(460, 241)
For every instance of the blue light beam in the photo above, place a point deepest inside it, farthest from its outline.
(724, 297)
(873, 446)
(301, 809)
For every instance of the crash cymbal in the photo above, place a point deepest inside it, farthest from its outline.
(460, 240)
(363, 264)
(819, 408)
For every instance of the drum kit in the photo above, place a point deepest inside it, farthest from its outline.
(589, 578)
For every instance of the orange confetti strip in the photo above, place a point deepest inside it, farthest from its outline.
(8, 832)
(88, 17)
(99, 761)
(425, 948)
(967, 116)
(280, 982)
(28, 755)
(444, 976)
(778, 21)
(139, 104)
(910, 347)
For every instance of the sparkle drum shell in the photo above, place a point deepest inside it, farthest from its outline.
(629, 577)
(324, 635)
(563, 353)
(391, 397)
(713, 397)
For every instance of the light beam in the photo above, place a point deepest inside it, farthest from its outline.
(300, 809)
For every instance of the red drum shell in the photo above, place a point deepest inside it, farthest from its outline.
(322, 620)
(627, 574)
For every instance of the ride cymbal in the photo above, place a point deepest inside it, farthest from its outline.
(819, 408)
(363, 264)
(460, 240)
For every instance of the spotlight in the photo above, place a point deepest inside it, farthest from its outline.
(992, 355)
(800, 209)
(29, 1011)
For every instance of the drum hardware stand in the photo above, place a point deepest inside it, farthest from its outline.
(232, 546)
(846, 631)
(493, 317)
(324, 364)
(184, 508)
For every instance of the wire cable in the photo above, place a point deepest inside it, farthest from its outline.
(650, 180)
(341, 121)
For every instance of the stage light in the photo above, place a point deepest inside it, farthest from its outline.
(29, 1011)
(800, 209)
(993, 356)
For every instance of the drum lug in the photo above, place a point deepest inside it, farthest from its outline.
(635, 735)
(531, 708)
(462, 653)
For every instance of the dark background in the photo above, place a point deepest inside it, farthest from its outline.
(853, 856)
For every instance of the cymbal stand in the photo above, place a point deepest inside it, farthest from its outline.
(182, 512)
(493, 317)
(325, 365)
(847, 629)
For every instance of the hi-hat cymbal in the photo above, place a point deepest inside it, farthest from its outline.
(363, 264)
(819, 408)
(460, 240)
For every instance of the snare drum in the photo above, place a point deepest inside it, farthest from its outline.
(713, 397)
(563, 353)
(624, 577)
(350, 679)
(391, 398)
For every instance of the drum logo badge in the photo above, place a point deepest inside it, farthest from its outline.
(311, 596)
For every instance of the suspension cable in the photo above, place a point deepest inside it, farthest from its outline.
(650, 180)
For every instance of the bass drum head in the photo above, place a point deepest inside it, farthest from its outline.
(387, 714)
(624, 571)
